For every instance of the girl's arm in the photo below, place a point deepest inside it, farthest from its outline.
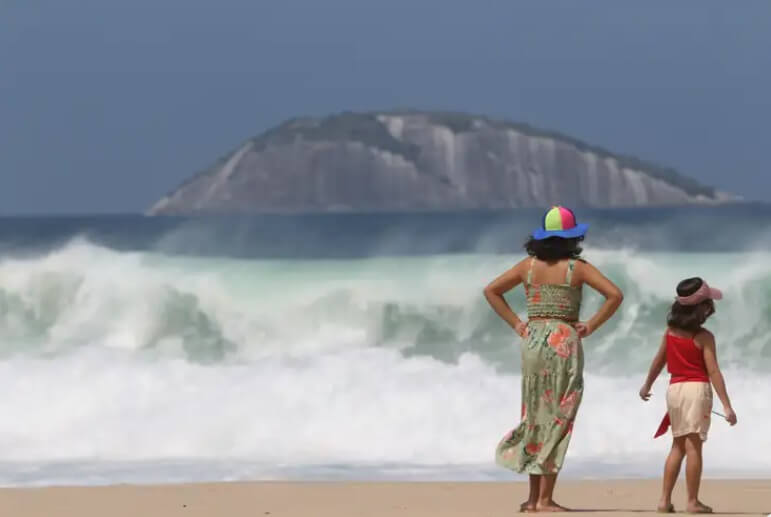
(707, 342)
(497, 288)
(659, 361)
(613, 298)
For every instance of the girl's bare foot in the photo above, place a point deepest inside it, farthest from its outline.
(550, 506)
(698, 507)
(666, 508)
(527, 507)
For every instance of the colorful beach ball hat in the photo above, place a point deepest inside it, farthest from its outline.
(560, 222)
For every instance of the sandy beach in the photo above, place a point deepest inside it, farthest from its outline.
(364, 499)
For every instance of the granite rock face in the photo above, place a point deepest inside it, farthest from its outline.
(423, 161)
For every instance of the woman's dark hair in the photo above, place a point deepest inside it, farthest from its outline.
(690, 317)
(554, 248)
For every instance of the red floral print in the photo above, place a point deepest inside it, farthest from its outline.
(568, 403)
(560, 341)
(533, 448)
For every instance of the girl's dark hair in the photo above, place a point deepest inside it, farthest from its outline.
(554, 248)
(690, 318)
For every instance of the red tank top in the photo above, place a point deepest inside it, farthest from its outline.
(685, 361)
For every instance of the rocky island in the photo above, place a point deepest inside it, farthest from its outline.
(423, 161)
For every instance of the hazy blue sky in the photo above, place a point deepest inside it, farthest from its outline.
(105, 105)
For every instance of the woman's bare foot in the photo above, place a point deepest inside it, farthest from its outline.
(527, 507)
(698, 507)
(550, 506)
(666, 508)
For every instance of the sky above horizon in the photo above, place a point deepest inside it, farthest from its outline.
(107, 105)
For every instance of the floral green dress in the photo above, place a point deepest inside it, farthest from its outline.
(552, 379)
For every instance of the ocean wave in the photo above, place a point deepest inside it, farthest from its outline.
(213, 310)
(115, 358)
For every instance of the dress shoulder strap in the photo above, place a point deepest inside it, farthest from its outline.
(530, 271)
(569, 274)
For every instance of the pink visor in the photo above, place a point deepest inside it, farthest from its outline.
(705, 292)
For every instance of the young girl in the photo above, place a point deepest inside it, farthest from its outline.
(688, 351)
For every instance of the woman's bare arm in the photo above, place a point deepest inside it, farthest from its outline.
(707, 342)
(658, 364)
(613, 297)
(497, 288)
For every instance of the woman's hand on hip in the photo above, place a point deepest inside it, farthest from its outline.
(521, 329)
(583, 329)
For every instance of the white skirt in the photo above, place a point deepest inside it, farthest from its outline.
(690, 408)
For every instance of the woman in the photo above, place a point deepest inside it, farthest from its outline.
(552, 357)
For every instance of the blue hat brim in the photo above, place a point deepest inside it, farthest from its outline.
(578, 230)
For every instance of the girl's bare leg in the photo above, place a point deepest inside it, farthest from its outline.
(671, 473)
(693, 468)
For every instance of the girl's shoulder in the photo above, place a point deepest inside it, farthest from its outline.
(703, 332)
(700, 334)
(679, 333)
(703, 337)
